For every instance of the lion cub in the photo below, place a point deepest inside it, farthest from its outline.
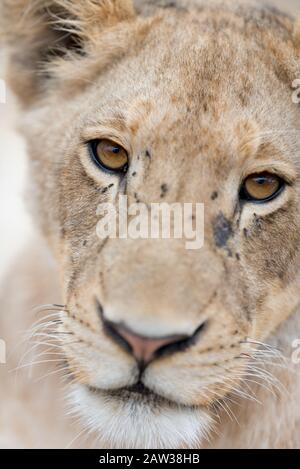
(159, 346)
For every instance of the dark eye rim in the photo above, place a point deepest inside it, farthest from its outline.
(92, 146)
(246, 197)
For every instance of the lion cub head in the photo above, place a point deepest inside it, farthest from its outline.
(174, 103)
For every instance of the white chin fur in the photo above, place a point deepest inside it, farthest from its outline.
(132, 424)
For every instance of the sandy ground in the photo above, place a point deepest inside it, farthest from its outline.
(15, 225)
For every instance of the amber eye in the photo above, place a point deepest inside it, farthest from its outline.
(109, 155)
(261, 187)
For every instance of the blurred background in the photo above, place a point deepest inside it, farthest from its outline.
(15, 224)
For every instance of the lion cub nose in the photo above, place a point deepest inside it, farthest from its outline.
(144, 349)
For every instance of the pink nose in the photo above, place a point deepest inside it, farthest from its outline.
(144, 348)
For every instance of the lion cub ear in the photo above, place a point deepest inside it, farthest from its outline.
(37, 33)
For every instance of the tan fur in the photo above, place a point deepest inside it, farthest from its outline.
(200, 93)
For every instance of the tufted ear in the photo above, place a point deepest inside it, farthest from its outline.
(39, 33)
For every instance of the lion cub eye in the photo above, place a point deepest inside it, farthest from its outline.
(261, 187)
(109, 155)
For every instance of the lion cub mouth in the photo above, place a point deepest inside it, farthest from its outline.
(137, 392)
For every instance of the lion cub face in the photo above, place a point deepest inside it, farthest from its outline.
(188, 105)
